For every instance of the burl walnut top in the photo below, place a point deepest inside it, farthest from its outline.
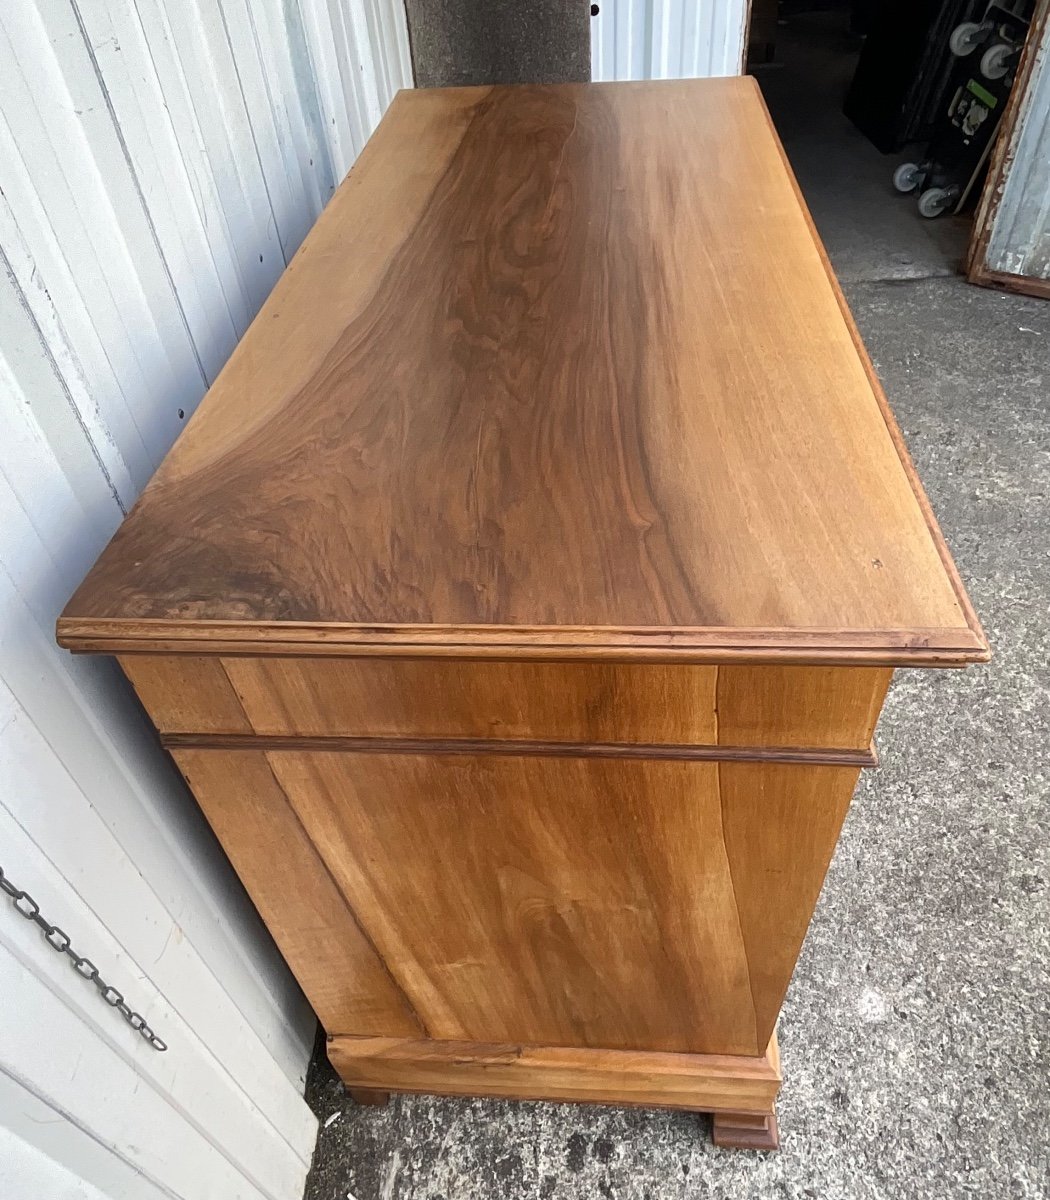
(560, 370)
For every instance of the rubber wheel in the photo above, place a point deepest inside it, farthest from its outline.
(965, 38)
(995, 61)
(934, 201)
(907, 177)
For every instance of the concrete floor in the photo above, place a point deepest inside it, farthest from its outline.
(916, 1034)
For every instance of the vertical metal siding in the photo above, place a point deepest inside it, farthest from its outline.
(668, 39)
(1019, 243)
(160, 161)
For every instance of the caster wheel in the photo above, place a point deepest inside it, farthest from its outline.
(995, 61)
(935, 200)
(907, 177)
(965, 38)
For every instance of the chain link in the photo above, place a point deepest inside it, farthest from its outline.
(58, 940)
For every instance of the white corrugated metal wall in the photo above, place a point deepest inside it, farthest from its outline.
(668, 39)
(160, 161)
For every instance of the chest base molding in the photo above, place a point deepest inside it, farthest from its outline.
(718, 1083)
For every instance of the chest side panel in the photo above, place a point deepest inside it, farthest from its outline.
(297, 896)
(574, 902)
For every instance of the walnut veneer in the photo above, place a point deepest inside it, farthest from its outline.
(520, 602)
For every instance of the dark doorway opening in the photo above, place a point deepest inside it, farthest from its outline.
(859, 89)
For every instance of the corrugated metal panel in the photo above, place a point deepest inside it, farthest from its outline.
(668, 39)
(159, 164)
(1019, 241)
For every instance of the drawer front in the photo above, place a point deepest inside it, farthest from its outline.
(554, 901)
(590, 703)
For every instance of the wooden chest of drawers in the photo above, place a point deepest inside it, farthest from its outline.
(520, 603)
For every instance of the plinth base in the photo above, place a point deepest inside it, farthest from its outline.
(739, 1090)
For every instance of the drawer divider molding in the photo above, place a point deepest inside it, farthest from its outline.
(337, 744)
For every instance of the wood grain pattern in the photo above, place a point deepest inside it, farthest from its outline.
(584, 702)
(973, 624)
(528, 704)
(595, 902)
(700, 1083)
(186, 691)
(780, 824)
(587, 384)
(651, 644)
(521, 600)
(345, 980)
(799, 706)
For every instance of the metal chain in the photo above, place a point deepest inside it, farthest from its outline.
(58, 940)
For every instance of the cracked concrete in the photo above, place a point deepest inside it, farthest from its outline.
(916, 1034)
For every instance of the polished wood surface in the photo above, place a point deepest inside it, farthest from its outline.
(297, 896)
(799, 706)
(499, 643)
(745, 1130)
(702, 1083)
(521, 600)
(186, 691)
(571, 901)
(506, 748)
(597, 703)
(584, 702)
(780, 824)
(560, 368)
